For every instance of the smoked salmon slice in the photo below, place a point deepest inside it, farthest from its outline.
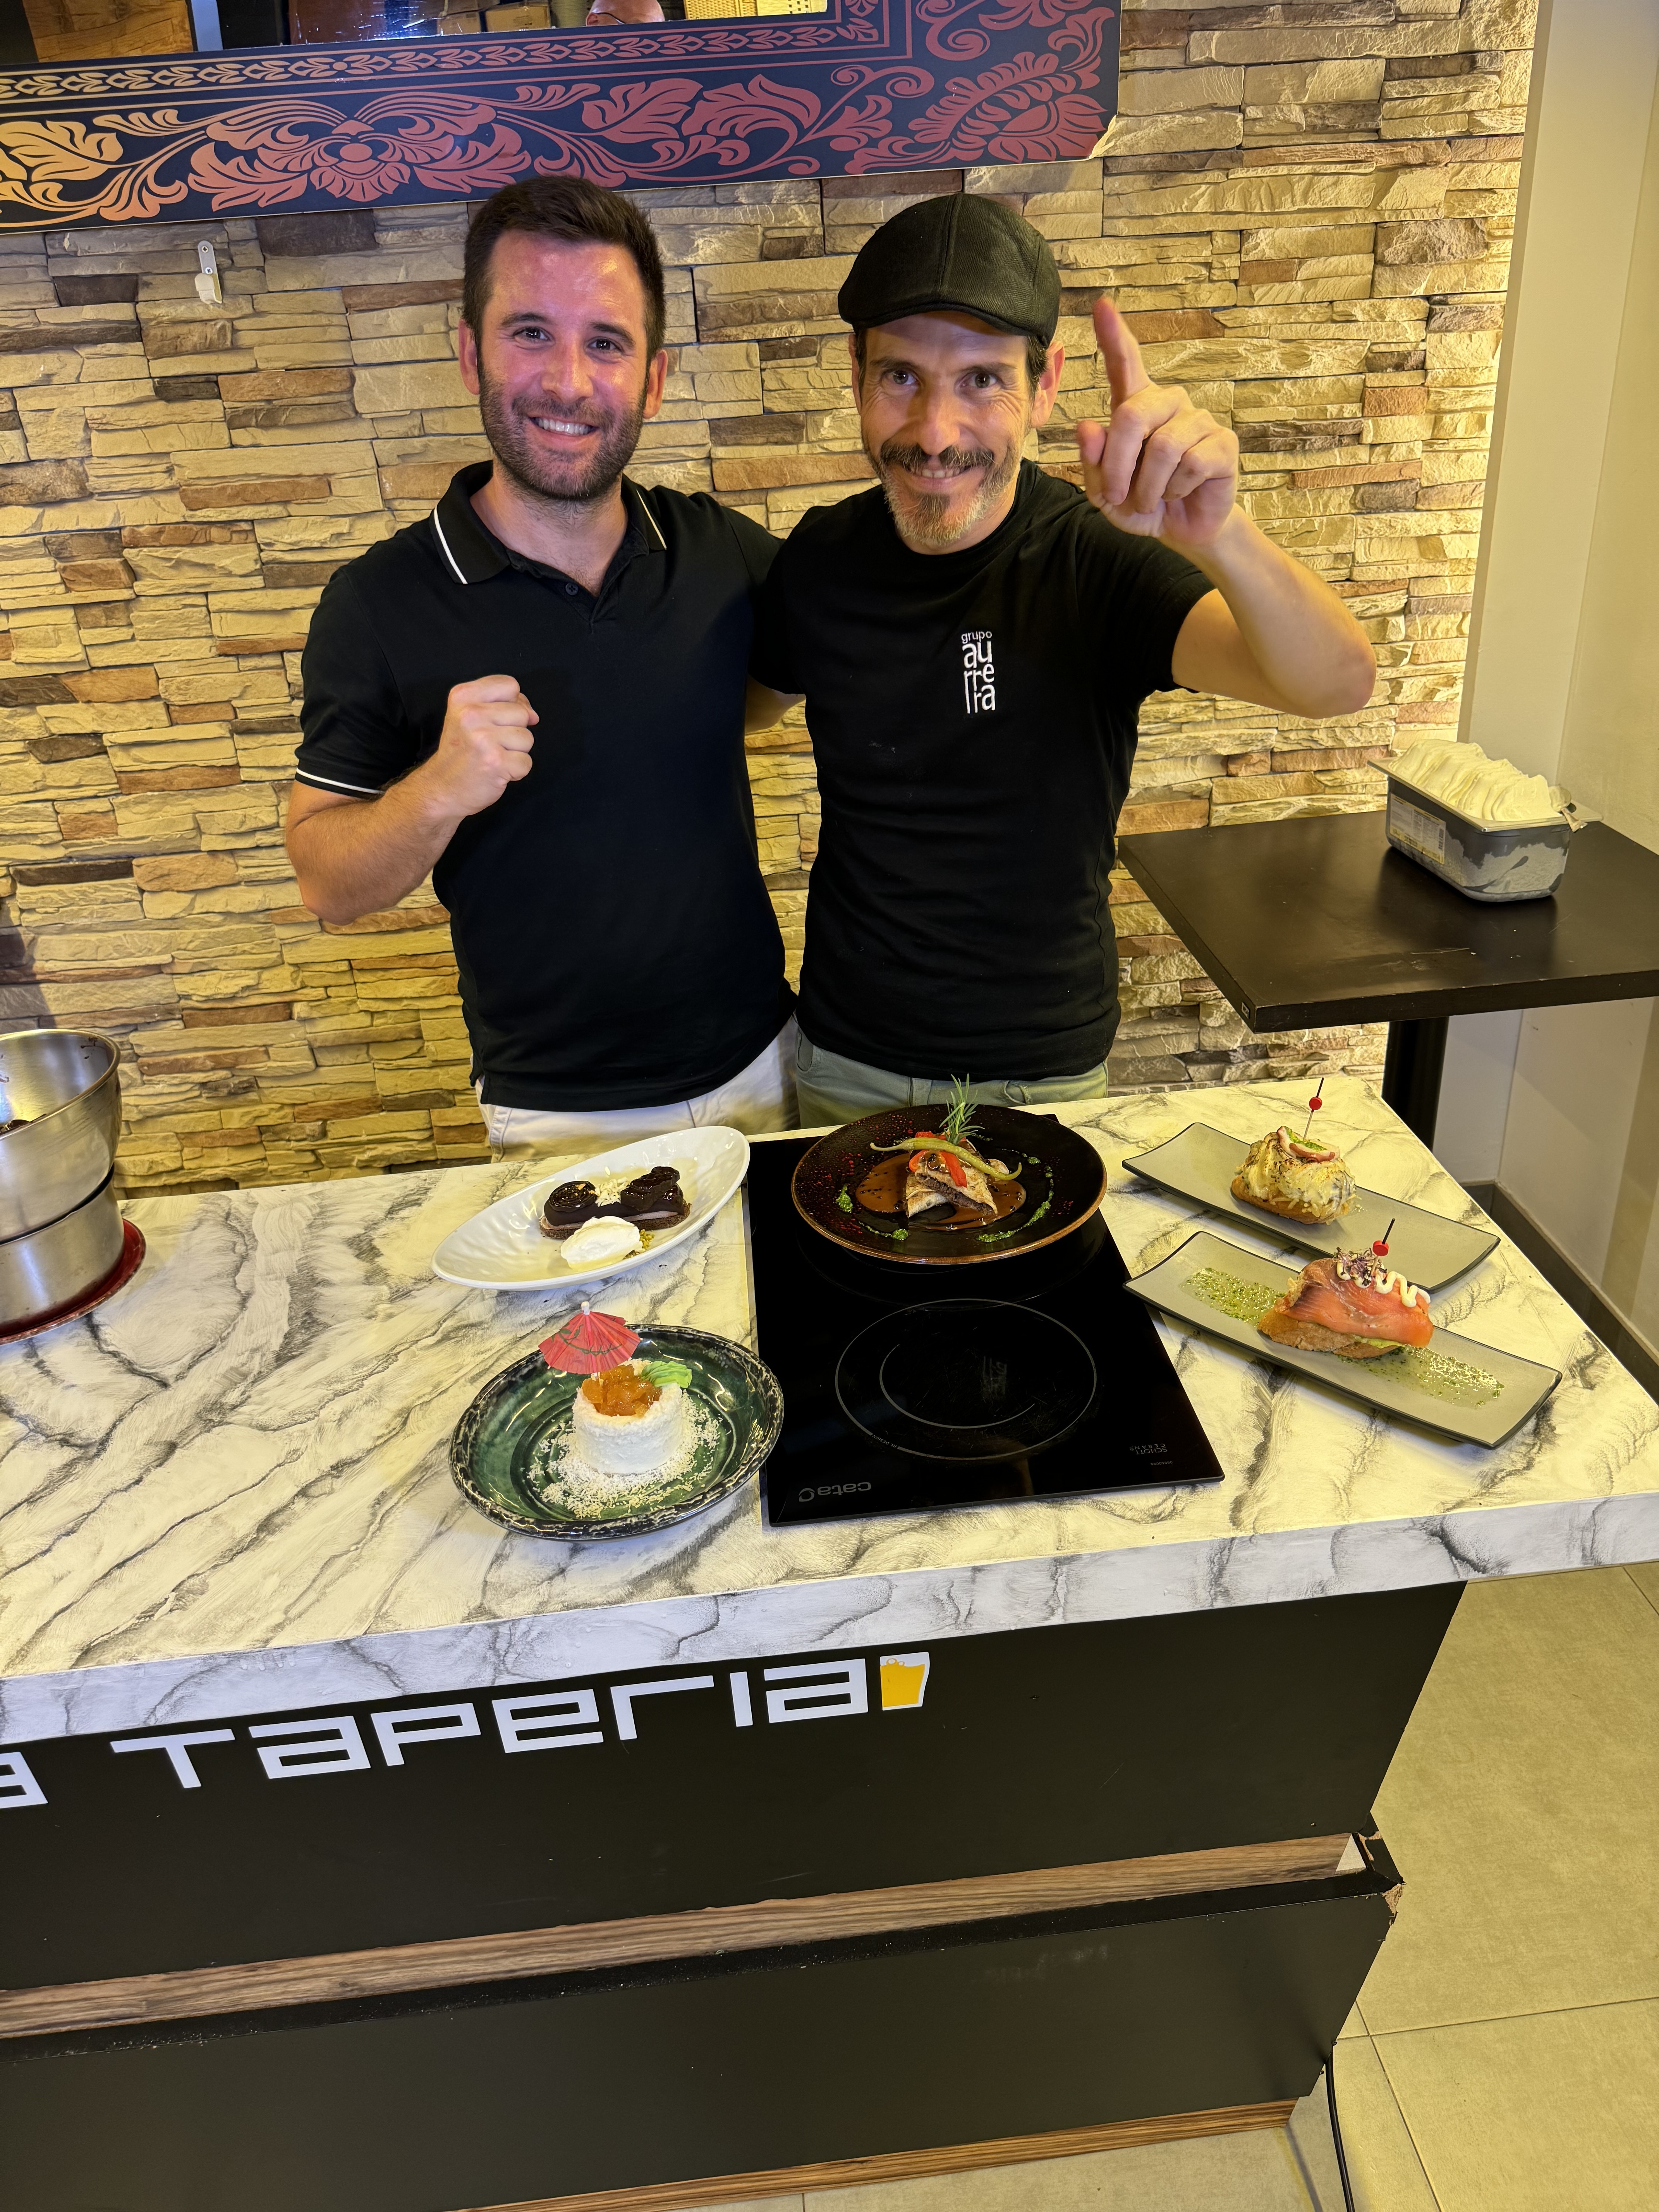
(1352, 1304)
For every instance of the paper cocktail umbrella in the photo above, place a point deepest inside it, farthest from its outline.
(589, 1343)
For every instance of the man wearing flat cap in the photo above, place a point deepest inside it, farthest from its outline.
(974, 638)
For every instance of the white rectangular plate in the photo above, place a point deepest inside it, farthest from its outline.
(502, 1249)
(1426, 1248)
(1379, 1384)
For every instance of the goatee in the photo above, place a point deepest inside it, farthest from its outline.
(931, 522)
(579, 482)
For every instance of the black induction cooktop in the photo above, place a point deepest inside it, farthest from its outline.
(907, 1388)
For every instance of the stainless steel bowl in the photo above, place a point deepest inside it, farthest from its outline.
(50, 1267)
(64, 1087)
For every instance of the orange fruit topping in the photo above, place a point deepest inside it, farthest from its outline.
(620, 1392)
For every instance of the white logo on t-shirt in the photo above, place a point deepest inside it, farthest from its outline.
(979, 672)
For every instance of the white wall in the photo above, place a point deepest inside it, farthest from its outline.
(1561, 1105)
(1610, 740)
(1581, 1138)
(1580, 1116)
(1475, 1094)
(1594, 77)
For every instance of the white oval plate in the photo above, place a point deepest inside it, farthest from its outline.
(502, 1249)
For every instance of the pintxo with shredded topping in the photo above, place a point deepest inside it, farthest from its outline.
(1285, 1175)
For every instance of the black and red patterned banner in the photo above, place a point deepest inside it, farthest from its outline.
(873, 86)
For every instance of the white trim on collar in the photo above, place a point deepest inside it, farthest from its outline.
(651, 518)
(460, 575)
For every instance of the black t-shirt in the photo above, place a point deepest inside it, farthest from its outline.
(973, 718)
(615, 944)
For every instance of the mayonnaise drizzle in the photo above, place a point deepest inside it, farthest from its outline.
(1370, 1277)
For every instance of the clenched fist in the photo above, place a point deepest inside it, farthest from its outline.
(485, 743)
(1162, 468)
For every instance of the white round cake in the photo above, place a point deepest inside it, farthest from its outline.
(629, 1444)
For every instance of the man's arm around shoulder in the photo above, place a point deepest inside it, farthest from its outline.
(357, 856)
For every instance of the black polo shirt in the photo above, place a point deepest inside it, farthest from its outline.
(974, 717)
(615, 944)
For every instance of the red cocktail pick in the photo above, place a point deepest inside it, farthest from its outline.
(589, 1343)
(1314, 1105)
(1381, 1247)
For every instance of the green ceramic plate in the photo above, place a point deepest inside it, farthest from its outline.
(508, 1454)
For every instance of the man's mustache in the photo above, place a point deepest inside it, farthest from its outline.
(895, 456)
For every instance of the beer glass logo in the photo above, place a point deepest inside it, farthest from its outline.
(903, 1680)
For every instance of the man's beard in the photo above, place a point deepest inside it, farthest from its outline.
(579, 481)
(930, 521)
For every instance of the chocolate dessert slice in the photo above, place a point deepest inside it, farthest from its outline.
(652, 1201)
(568, 1204)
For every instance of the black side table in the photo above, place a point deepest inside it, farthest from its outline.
(1318, 920)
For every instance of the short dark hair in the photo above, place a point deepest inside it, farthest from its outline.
(577, 212)
(1037, 352)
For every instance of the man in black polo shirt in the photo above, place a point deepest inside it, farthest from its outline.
(538, 694)
(974, 640)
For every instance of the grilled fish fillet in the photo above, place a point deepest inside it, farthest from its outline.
(930, 1184)
(1352, 1305)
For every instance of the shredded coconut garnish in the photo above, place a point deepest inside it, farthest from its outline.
(565, 1478)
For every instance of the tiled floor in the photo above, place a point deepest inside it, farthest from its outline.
(1505, 2053)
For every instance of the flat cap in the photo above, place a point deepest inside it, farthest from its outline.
(958, 251)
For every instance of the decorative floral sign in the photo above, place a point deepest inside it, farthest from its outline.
(872, 86)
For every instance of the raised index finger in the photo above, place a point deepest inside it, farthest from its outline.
(1125, 373)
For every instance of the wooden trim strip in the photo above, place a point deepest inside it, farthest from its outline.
(913, 2165)
(136, 2000)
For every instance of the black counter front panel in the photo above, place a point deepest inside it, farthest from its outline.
(702, 1782)
(511, 2095)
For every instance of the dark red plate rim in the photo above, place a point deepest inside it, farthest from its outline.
(132, 1259)
(1076, 1175)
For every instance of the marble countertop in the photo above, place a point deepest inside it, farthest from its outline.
(228, 1491)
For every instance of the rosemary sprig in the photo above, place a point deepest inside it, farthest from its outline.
(959, 1120)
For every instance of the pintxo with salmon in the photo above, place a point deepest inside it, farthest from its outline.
(1355, 1306)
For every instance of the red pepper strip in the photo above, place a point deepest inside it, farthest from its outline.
(954, 1168)
(915, 1161)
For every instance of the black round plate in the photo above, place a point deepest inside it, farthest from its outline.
(968, 1379)
(1063, 1176)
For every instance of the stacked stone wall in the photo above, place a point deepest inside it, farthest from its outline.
(1306, 210)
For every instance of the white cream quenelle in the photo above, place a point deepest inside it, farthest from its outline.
(1487, 790)
(604, 1238)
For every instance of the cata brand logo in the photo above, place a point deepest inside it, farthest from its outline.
(568, 1718)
